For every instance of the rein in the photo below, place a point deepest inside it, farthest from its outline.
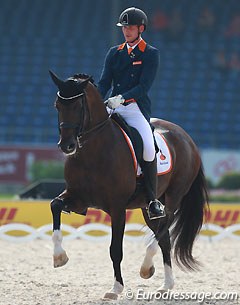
(97, 127)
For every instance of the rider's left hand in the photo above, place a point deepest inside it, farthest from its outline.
(115, 101)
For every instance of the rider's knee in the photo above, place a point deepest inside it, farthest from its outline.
(149, 153)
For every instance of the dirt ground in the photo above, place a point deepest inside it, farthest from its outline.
(27, 276)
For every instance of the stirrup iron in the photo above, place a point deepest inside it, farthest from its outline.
(158, 214)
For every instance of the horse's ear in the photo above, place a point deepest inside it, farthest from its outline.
(57, 81)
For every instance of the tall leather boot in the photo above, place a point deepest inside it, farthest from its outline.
(155, 207)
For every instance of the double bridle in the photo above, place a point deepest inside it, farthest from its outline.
(80, 132)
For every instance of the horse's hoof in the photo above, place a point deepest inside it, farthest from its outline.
(60, 260)
(110, 296)
(147, 273)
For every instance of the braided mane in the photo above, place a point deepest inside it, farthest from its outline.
(84, 76)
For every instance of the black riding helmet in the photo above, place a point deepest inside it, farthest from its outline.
(133, 16)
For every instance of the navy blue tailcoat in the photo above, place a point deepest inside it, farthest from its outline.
(130, 75)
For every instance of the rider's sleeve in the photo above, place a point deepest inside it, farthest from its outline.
(105, 81)
(150, 67)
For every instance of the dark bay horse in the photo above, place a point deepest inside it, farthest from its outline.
(100, 173)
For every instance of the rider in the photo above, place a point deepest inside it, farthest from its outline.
(129, 70)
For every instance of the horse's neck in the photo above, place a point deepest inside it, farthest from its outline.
(97, 109)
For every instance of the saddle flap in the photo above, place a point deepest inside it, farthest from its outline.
(133, 135)
(164, 158)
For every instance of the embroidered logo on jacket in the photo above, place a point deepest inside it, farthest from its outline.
(137, 62)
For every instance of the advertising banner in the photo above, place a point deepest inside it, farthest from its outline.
(38, 213)
(219, 162)
(15, 162)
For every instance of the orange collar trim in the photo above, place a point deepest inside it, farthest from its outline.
(142, 45)
(121, 46)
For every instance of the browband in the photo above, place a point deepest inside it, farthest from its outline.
(69, 98)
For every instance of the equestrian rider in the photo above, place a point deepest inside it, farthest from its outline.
(129, 71)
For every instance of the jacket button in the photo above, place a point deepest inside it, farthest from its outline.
(132, 75)
(118, 85)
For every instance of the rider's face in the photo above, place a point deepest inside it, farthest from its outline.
(131, 32)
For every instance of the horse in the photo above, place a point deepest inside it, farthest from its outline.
(100, 173)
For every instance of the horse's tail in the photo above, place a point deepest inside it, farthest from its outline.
(188, 222)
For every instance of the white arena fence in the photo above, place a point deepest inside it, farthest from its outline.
(84, 232)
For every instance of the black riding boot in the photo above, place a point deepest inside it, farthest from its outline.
(155, 207)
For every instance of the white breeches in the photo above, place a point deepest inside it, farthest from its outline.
(134, 117)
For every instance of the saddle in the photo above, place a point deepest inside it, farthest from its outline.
(134, 136)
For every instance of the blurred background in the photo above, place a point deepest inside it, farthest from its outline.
(197, 86)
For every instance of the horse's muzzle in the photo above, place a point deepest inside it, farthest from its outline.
(68, 147)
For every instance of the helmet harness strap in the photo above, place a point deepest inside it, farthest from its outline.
(138, 36)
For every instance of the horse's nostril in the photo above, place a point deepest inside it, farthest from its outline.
(71, 147)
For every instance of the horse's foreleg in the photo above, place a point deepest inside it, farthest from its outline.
(59, 255)
(116, 253)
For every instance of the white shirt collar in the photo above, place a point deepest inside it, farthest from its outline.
(128, 46)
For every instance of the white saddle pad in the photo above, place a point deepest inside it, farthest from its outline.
(164, 158)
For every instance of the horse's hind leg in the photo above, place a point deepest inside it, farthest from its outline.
(165, 246)
(59, 255)
(147, 268)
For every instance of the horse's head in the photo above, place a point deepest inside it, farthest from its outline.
(73, 110)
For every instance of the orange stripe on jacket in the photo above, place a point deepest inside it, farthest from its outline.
(132, 100)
